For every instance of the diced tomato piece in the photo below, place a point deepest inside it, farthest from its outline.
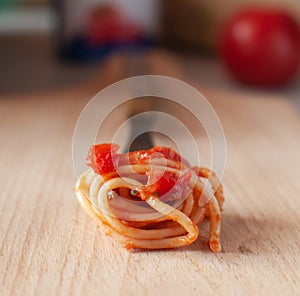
(155, 152)
(170, 154)
(102, 158)
(167, 153)
(160, 183)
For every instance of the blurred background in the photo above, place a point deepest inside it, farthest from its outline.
(48, 44)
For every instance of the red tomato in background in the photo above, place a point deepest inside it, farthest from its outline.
(261, 47)
(106, 24)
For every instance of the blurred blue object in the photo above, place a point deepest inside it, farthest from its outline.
(80, 50)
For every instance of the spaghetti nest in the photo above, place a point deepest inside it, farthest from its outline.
(150, 199)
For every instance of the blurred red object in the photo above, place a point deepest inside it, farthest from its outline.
(107, 25)
(261, 47)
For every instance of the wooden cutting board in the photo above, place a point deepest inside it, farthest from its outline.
(49, 246)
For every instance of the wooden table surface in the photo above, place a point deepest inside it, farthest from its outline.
(49, 246)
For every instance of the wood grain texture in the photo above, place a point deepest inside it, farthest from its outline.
(49, 246)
